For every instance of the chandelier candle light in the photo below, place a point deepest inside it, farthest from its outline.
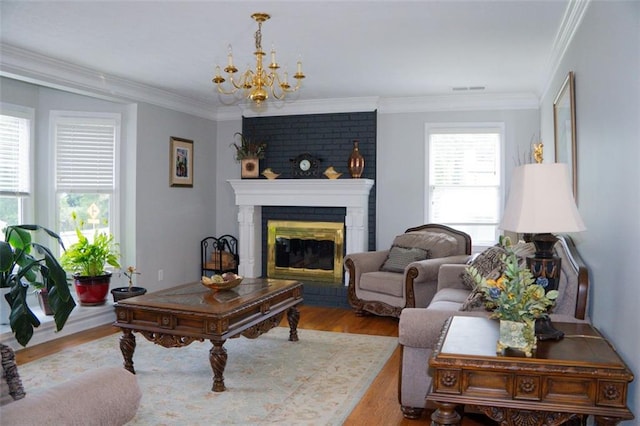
(256, 84)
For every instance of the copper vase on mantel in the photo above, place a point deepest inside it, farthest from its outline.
(356, 161)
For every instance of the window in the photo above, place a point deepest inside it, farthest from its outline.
(465, 178)
(15, 164)
(85, 173)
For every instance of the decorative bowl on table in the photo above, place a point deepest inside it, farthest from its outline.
(220, 282)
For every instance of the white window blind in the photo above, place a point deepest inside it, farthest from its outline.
(14, 156)
(86, 173)
(85, 155)
(465, 182)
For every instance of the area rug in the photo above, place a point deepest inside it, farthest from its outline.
(315, 381)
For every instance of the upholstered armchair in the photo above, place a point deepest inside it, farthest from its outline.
(384, 282)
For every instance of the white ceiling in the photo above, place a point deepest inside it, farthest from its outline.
(349, 49)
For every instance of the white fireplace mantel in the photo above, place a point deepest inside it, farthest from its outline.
(252, 194)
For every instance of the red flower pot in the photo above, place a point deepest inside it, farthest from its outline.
(92, 291)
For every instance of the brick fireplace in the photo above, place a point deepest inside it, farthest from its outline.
(252, 194)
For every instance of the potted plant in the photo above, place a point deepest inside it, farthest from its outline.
(43, 298)
(516, 299)
(87, 261)
(248, 153)
(120, 293)
(24, 262)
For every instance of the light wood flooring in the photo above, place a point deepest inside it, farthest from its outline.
(379, 405)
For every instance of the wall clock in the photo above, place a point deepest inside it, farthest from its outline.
(304, 166)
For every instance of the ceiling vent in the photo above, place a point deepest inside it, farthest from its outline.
(465, 88)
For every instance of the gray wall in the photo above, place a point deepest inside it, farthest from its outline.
(402, 162)
(170, 221)
(226, 168)
(605, 57)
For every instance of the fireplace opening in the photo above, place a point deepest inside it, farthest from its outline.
(305, 250)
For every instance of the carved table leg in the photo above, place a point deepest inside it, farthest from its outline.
(127, 347)
(293, 316)
(445, 415)
(218, 360)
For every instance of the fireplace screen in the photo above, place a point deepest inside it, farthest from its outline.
(305, 250)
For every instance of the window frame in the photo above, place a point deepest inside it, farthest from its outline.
(58, 116)
(26, 202)
(469, 128)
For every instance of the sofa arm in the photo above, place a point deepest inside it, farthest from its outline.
(449, 277)
(105, 396)
(367, 261)
(421, 328)
(427, 270)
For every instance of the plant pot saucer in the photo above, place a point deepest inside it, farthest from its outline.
(120, 293)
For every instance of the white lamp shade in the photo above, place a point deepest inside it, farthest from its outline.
(541, 201)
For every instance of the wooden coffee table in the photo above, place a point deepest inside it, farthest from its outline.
(572, 378)
(179, 316)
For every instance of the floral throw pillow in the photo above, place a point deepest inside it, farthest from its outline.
(488, 264)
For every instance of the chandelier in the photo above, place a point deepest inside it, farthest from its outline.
(256, 84)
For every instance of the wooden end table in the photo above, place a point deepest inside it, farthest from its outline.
(179, 316)
(572, 378)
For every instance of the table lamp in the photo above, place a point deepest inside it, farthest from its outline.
(541, 203)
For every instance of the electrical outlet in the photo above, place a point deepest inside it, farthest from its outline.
(160, 274)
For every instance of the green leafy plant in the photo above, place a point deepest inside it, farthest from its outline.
(514, 296)
(247, 148)
(89, 259)
(24, 262)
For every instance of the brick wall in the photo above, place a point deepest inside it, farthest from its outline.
(328, 137)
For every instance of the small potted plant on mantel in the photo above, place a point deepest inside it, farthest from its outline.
(120, 293)
(87, 261)
(248, 153)
(20, 266)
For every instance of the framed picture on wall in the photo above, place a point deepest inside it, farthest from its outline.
(181, 162)
(564, 128)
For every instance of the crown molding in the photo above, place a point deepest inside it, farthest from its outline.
(319, 106)
(434, 103)
(459, 102)
(570, 22)
(35, 68)
(39, 69)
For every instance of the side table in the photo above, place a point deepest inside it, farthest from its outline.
(575, 377)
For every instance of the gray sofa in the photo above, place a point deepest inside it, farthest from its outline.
(419, 328)
(106, 396)
(382, 292)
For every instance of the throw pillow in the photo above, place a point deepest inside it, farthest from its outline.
(399, 257)
(438, 243)
(488, 264)
(474, 302)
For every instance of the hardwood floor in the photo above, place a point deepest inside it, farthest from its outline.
(379, 405)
